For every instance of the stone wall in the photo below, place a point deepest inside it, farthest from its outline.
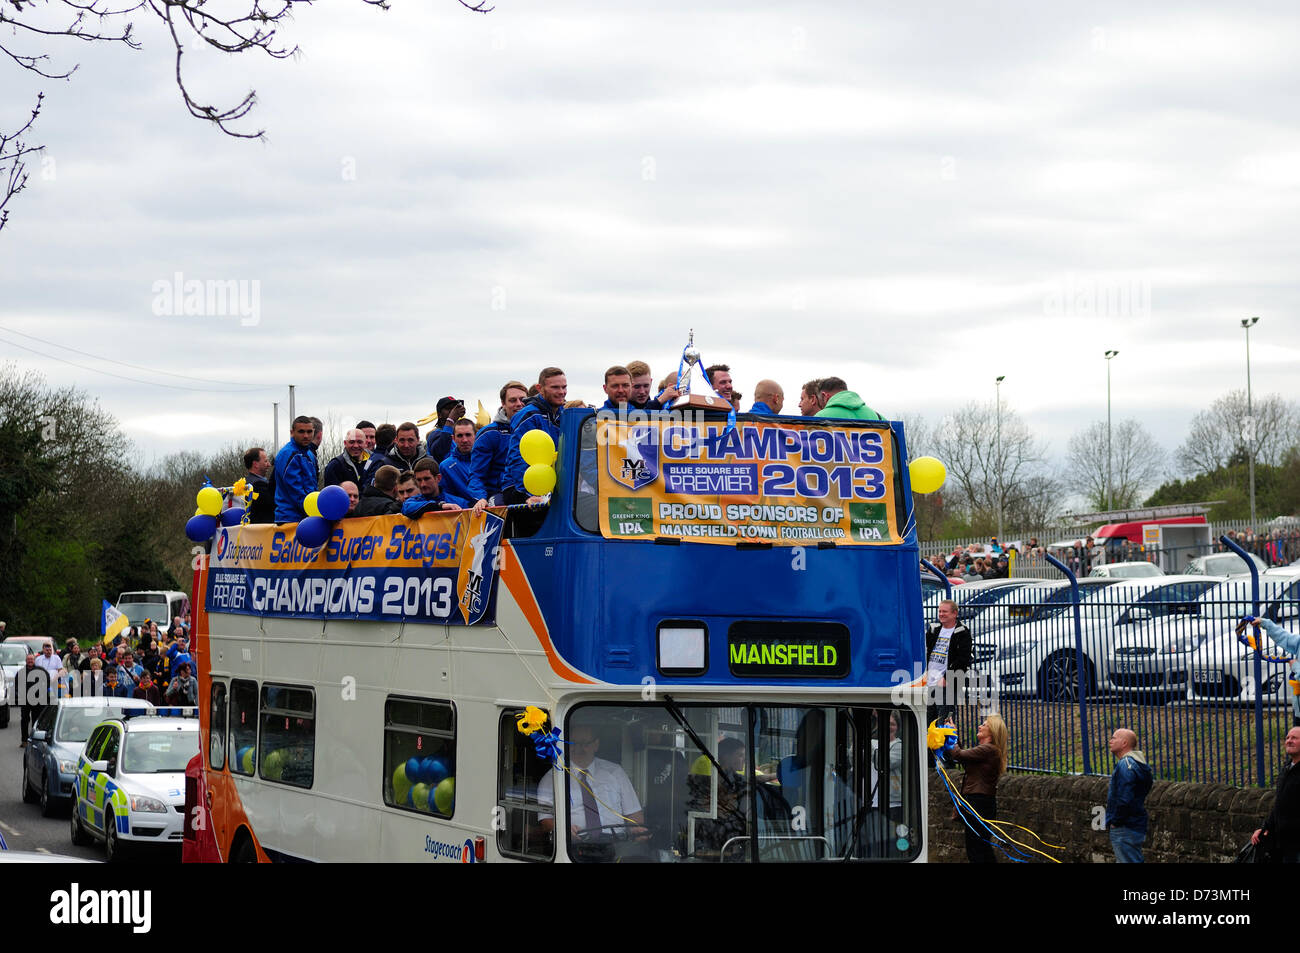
(1190, 823)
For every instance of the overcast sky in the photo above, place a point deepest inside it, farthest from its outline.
(918, 198)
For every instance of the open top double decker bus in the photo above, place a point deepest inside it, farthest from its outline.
(718, 619)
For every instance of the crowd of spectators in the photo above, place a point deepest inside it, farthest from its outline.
(458, 464)
(141, 662)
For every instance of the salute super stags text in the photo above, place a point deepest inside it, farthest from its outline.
(760, 481)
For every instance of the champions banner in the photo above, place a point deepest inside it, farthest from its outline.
(439, 569)
(785, 484)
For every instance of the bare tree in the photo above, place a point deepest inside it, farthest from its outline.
(979, 477)
(1135, 464)
(13, 150)
(227, 26)
(1221, 435)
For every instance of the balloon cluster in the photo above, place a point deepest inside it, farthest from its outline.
(421, 782)
(324, 508)
(927, 474)
(538, 450)
(203, 523)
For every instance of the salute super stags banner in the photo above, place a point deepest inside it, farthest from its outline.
(789, 485)
(440, 569)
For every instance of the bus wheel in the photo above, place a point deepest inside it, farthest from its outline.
(243, 852)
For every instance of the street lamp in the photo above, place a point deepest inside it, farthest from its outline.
(1249, 428)
(997, 389)
(1110, 500)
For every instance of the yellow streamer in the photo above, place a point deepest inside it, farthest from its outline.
(957, 795)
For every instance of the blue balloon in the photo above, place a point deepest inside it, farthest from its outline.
(426, 770)
(233, 516)
(199, 529)
(413, 770)
(333, 503)
(313, 531)
(436, 771)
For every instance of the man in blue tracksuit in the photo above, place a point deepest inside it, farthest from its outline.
(1126, 813)
(540, 413)
(295, 472)
(455, 467)
(1289, 643)
(487, 464)
(431, 497)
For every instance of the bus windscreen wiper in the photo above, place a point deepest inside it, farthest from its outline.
(675, 710)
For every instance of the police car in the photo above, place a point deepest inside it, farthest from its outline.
(130, 785)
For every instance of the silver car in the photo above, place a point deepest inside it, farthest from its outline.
(1040, 658)
(1222, 565)
(1222, 668)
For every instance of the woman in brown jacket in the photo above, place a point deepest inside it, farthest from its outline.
(984, 764)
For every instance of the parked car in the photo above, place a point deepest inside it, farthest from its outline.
(1222, 668)
(50, 760)
(1136, 570)
(1024, 606)
(1222, 565)
(130, 787)
(1040, 659)
(13, 659)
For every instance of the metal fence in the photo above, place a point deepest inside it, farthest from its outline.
(1067, 664)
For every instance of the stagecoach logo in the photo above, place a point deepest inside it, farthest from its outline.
(485, 535)
(222, 542)
(640, 458)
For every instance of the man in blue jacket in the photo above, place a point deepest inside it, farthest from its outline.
(487, 464)
(431, 497)
(769, 398)
(540, 413)
(1126, 813)
(295, 472)
(618, 389)
(455, 467)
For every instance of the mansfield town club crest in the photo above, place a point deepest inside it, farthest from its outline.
(634, 462)
(479, 560)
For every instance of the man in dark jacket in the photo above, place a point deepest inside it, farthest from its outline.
(1126, 813)
(380, 498)
(258, 465)
(487, 463)
(431, 497)
(351, 464)
(33, 695)
(540, 413)
(406, 448)
(1280, 835)
(947, 650)
(295, 472)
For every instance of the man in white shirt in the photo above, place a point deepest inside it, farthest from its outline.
(948, 649)
(602, 806)
(54, 665)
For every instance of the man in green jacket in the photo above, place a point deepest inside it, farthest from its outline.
(839, 401)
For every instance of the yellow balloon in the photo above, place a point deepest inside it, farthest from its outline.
(309, 504)
(927, 474)
(199, 513)
(209, 500)
(539, 480)
(537, 448)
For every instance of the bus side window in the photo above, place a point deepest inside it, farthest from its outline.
(420, 755)
(243, 726)
(287, 744)
(519, 830)
(217, 726)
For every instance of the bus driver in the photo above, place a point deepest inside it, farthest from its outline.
(602, 801)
